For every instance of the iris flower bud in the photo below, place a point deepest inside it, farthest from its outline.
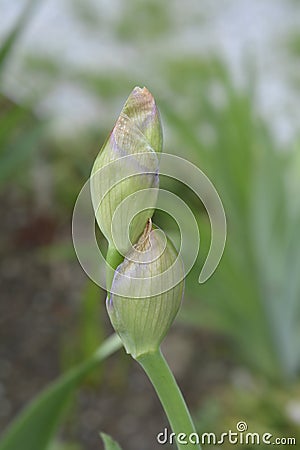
(145, 280)
(140, 318)
(127, 163)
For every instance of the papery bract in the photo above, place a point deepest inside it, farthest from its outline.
(142, 321)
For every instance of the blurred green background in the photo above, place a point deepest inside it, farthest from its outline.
(226, 78)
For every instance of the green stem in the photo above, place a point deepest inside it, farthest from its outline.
(159, 373)
(113, 259)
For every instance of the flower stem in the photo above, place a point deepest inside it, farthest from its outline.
(159, 373)
(113, 259)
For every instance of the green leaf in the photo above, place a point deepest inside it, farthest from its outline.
(109, 443)
(35, 426)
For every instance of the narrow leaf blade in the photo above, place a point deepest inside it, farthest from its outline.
(109, 443)
(34, 427)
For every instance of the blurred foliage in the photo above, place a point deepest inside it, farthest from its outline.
(20, 130)
(20, 137)
(85, 12)
(147, 20)
(34, 428)
(294, 44)
(70, 169)
(64, 446)
(15, 33)
(265, 408)
(82, 340)
(254, 295)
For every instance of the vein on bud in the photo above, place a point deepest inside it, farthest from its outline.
(139, 317)
(127, 163)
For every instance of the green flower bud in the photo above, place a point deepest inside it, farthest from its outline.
(127, 163)
(140, 318)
